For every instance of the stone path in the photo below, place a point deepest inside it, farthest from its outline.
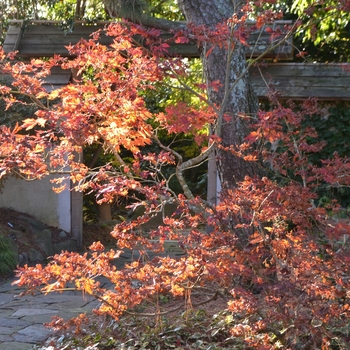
(22, 318)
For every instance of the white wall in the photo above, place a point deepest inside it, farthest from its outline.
(37, 198)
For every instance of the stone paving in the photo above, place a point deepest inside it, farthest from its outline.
(22, 318)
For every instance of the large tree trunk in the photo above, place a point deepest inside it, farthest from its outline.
(236, 98)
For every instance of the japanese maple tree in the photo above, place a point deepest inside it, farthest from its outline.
(280, 262)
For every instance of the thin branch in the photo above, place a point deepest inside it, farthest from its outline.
(199, 159)
(32, 97)
(213, 297)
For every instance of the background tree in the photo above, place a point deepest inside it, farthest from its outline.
(66, 11)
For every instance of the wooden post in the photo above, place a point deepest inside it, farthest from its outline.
(104, 212)
(77, 199)
(77, 217)
(212, 186)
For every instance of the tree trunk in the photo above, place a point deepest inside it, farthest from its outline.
(235, 98)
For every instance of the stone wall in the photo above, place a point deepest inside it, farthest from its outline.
(37, 199)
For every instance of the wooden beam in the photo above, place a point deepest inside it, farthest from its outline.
(290, 80)
(46, 38)
(302, 80)
(58, 78)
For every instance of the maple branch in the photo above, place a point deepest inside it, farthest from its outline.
(199, 159)
(118, 157)
(256, 42)
(20, 175)
(75, 289)
(297, 150)
(98, 297)
(96, 155)
(179, 171)
(32, 97)
(162, 313)
(228, 90)
(152, 314)
(252, 221)
(186, 87)
(279, 262)
(182, 166)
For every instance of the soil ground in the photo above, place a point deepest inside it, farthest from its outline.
(11, 220)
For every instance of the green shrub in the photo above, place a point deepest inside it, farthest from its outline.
(7, 257)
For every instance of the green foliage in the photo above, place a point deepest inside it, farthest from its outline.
(326, 28)
(172, 89)
(10, 9)
(170, 92)
(332, 126)
(7, 256)
(326, 18)
(17, 112)
(92, 10)
(334, 129)
(73, 9)
(66, 11)
(165, 9)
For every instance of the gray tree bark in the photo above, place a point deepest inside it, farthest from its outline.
(236, 98)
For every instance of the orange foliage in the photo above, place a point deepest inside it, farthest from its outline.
(281, 263)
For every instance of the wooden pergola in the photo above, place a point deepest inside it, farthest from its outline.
(292, 80)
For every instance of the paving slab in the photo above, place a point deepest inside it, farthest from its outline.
(17, 302)
(7, 312)
(47, 318)
(5, 338)
(13, 323)
(33, 334)
(78, 300)
(32, 312)
(73, 308)
(5, 298)
(6, 330)
(22, 319)
(9, 287)
(12, 345)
